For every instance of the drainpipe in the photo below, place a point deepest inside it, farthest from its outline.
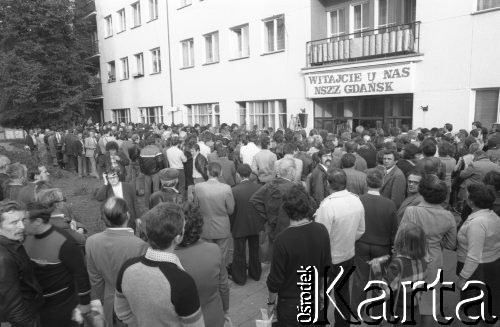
(170, 64)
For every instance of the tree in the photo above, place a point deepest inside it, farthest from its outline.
(44, 77)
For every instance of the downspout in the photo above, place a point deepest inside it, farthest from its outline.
(170, 64)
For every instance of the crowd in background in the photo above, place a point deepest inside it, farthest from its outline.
(385, 201)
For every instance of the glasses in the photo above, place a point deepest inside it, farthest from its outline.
(413, 182)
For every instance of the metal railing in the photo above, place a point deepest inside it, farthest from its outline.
(381, 42)
(96, 90)
(94, 48)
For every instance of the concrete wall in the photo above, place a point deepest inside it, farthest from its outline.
(150, 90)
(259, 77)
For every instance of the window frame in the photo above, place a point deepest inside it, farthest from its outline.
(122, 20)
(157, 114)
(138, 73)
(211, 113)
(190, 49)
(108, 26)
(214, 48)
(330, 21)
(352, 30)
(155, 65)
(122, 119)
(124, 69)
(153, 10)
(493, 7)
(244, 34)
(111, 65)
(275, 48)
(273, 118)
(136, 14)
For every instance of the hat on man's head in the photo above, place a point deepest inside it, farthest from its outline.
(168, 174)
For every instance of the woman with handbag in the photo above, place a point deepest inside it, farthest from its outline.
(90, 153)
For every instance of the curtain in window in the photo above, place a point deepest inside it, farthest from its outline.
(270, 35)
(487, 4)
(281, 33)
(486, 106)
(215, 47)
(208, 48)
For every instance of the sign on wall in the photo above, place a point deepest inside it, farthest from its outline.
(360, 82)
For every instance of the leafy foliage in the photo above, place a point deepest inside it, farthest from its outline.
(44, 78)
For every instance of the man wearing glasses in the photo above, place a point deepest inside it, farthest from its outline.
(413, 197)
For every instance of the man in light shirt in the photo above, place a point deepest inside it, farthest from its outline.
(204, 148)
(248, 151)
(176, 159)
(343, 215)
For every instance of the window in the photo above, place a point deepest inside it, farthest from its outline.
(184, 3)
(243, 113)
(121, 20)
(108, 29)
(121, 116)
(486, 106)
(151, 115)
(155, 61)
(124, 62)
(240, 41)
(203, 114)
(386, 13)
(187, 53)
(139, 65)
(136, 12)
(360, 18)
(267, 114)
(153, 9)
(111, 72)
(337, 21)
(487, 4)
(212, 47)
(274, 34)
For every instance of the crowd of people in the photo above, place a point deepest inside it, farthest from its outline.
(387, 202)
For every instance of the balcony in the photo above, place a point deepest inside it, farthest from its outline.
(96, 90)
(366, 45)
(88, 9)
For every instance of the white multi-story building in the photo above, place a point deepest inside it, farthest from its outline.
(376, 63)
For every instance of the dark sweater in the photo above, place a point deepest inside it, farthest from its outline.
(381, 221)
(296, 246)
(59, 264)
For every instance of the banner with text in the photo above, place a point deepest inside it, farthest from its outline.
(385, 80)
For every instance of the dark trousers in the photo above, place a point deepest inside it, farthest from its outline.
(343, 292)
(239, 266)
(58, 310)
(364, 253)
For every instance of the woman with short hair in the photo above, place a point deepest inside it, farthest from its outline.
(440, 230)
(305, 243)
(478, 250)
(203, 261)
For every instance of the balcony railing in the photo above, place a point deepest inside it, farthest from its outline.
(89, 8)
(382, 42)
(96, 90)
(94, 48)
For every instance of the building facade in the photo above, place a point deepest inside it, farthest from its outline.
(376, 63)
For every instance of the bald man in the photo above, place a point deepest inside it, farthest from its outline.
(107, 251)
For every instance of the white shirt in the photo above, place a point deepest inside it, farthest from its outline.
(118, 190)
(343, 215)
(204, 149)
(247, 152)
(196, 173)
(176, 157)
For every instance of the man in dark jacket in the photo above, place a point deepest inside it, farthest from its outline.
(381, 225)
(318, 185)
(169, 177)
(267, 202)
(115, 158)
(151, 161)
(244, 228)
(20, 293)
